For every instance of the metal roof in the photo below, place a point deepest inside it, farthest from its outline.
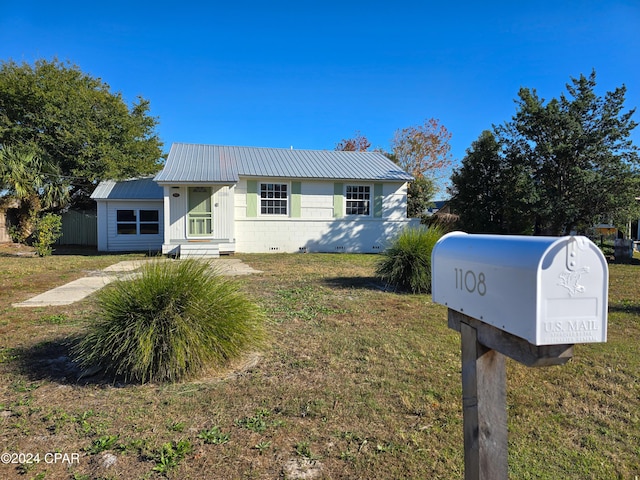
(133, 189)
(194, 163)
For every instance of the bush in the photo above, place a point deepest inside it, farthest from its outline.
(406, 264)
(48, 230)
(171, 322)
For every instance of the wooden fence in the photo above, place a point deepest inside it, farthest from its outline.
(79, 228)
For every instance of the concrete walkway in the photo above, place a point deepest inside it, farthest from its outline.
(78, 289)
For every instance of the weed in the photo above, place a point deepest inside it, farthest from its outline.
(385, 447)
(214, 436)
(54, 319)
(7, 354)
(59, 418)
(25, 468)
(83, 422)
(137, 445)
(258, 423)
(22, 387)
(262, 446)
(171, 454)
(304, 450)
(176, 426)
(106, 442)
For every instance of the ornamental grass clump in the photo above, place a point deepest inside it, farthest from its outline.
(406, 264)
(170, 323)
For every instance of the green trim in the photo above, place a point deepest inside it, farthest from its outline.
(296, 197)
(377, 200)
(338, 200)
(252, 198)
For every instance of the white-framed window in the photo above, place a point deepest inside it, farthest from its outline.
(358, 200)
(137, 222)
(274, 198)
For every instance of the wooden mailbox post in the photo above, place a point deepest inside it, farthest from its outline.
(527, 298)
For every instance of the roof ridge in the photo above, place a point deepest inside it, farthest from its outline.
(271, 148)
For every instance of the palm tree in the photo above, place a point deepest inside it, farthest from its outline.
(35, 183)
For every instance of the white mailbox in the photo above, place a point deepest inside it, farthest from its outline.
(546, 290)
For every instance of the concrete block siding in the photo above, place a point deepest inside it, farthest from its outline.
(341, 236)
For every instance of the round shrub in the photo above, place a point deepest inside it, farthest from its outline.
(169, 323)
(406, 264)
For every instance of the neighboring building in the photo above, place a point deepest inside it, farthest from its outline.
(438, 206)
(211, 199)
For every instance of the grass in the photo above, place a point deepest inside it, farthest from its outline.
(360, 382)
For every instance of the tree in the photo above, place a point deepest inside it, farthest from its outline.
(76, 122)
(35, 183)
(490, 194)
(422, 150)
(564, 165)
(420, 194)
(359, 143)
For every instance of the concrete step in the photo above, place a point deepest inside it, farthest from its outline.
(199, 250)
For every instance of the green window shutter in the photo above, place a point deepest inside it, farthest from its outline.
(377, 200)
(296, 197)
(338, 200)
(252, 198)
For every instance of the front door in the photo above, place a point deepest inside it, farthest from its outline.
(200, 216)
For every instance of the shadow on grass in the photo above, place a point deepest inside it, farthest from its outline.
(368, 283)
(360, 283)
(625, 307)
(82, 251)
(625, 261)
(53, 361)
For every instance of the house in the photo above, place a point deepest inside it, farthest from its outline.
(211, 199)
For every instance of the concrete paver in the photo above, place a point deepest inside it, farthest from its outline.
(78, 289)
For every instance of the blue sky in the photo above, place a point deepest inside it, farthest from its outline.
(309, 73)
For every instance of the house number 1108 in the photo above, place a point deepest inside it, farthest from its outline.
(469, 281)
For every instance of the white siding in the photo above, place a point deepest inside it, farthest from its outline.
(178, 213)
(223, 208)
(394, 204)
(103, 231)
(316, 230)
(123, 243)
(223, 199)
(317, 200)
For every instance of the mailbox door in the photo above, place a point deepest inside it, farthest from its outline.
(573, 291)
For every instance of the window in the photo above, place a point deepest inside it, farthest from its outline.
(126, 222)
(358, 199)
(273, 198)
(137, 222)
(149, 222)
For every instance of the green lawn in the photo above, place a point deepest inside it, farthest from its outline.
(357, 383)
